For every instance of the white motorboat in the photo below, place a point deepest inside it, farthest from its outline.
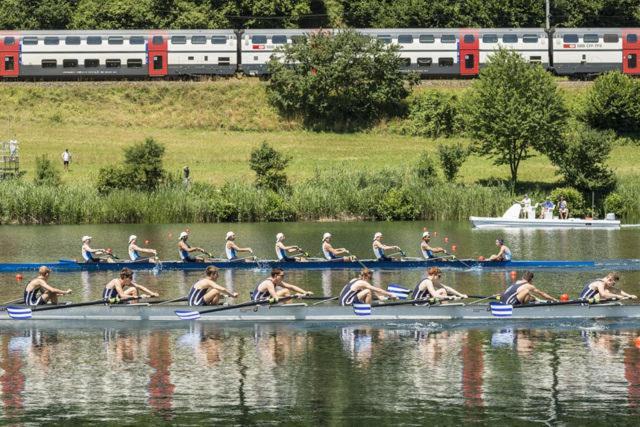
(512, 219)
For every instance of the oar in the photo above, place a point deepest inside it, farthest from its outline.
(193, 315)
(455, 258)
(550, 303)
(255, 258)
(326, 300)
(22, 313)
(486, 298)
(179, 299)
(15, 301)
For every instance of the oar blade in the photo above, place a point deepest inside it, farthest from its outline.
(187, 315)
(399, 291)
(19, 313)
(499, 309)
(361, 309)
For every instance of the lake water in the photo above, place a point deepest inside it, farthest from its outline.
(322, 374)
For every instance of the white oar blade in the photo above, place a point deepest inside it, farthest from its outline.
(187, 315)
(362, 309)
(501, 310)
(398, 291)
(19, 313)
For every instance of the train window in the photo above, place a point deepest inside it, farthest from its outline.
(469, 61)
(447, 38)
(91, 63)
(279, 39)
(134, 63)
(223, 39)
(69, 63)
(49, 63)
(386, 39)
(610, 38)
(72, 40)
(191, 58)
(591, 38)
(50, 41)
(115, 40)
(206, 57)
(257, 40)
(9, 41)
(30, 40)
(509, 38)
(178, 40)
(425, 62)
(93, 40)
(112, 63)
(530, 38)
(489, 38)
(406, 61)
(298, 39)
(405, 39)
(535, 60)
(570, 38)
(158, 63)
(9, 63)
(445, 62)
(224, 60)
(469, 38)
(198, 39)
(632, 38)
(136, 40)
(426, 38)
(157, 40)
(632, 60)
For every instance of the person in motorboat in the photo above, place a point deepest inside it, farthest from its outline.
(429, 252)
(547, 209)
(283, 251)
(504, 253)
(523, 292)
(93, 255)
(135, 251)
(361, 291)
(379, 248)
(186, 251)
(274, 287)
(206, 291)
(605, 289)
(526, 206)
(334, 254)
(563, 208)
(123, 287)
(432, 287)
(38, 291)
(231, 249)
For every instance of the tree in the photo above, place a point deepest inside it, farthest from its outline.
(46, 172)
(432, 113)
(452, 156)
(512, 109)
(269, 165)
(341, 82)
(613, 102)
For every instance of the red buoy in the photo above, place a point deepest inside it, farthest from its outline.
(480, 258)
(453, 248)
(564, 297)
(19, 277)
(637, 342)
(146, 242)
(513, 274)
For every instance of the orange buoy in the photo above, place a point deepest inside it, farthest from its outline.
(564, 297)
(146, 242)
(18, 277)
(637, 342)
(453, 248)
(513, 274)
(446, 240)
(480, 258)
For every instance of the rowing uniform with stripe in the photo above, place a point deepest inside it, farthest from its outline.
(348, 296)
(510, 295)
(328, 255)
(421, 294)
(196, 296)
(507, 254)
(260, 295)
(185, 255)
(588, 292)
(426, 253)
(282, 255)
(33, 297)
(133, 254)
(88, 256)
(231, 253)
(109, 293)
(379, 254)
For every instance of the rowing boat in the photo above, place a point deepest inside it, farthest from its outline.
(72, 265)
(323, 313)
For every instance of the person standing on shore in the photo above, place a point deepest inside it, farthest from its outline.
(66, 159)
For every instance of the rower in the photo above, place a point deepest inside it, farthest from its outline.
(523, 292)
(360, 291)
(231, 249)
(334, 254)
(275, 287)
(429, 252)
(504, 254)
(379, 248)
(38, 291)
(206, 291)
(432, 287)
(124, 287)
(282, 250)
(88, 253)
(135, 250)
(185, 250)
(605, 289)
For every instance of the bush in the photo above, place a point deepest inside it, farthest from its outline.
(574, 199)
(614, 203)
(269, 165)
(426, 169)
(46, 172)
(613, 102)
(451, 158)
(398, 205)
(342, 82)
(433, 114)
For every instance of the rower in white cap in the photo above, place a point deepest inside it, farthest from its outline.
(185, 250)
(379, 248)
(231, 249)
(427, 251)
(334, 254)
(92, 255)
(283, 251)
(135, 251)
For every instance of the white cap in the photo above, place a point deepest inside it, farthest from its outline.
(426, 234)
(132, 238)
(279, 237)
(230, 234)
(377, 235)
(85, 238)
(183, 235)
(325, 236)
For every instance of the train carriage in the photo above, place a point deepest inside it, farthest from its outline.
(531, 43)
(257, 47)
(587, 51)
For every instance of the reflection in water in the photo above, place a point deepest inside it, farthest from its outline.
(12, 378)
(160, 387)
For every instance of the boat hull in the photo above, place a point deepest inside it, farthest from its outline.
(72, 266)
(571, 223)
(338, 314)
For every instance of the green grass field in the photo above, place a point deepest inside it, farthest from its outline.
(212, 126)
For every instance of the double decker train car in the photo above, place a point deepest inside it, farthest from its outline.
(114, 54)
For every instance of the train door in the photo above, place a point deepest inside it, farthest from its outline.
(631, 51)
(469, 52)
(9, 56)
(157, 55)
